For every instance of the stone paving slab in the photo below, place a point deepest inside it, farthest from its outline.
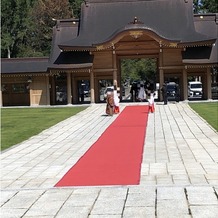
(179, 172)
(204, 211)
(164, 201)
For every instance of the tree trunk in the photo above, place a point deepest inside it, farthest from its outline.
(9, 53)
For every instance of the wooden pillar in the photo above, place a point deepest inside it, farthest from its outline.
(161, 73)
(161, 78)
(185, 84)
(1, 102)
(74, 98)
(92, 87)
(69, 90)
(53, 89)
(96, 91)
(208, 84)
(31, 94)
(114, 57)
(47, 90)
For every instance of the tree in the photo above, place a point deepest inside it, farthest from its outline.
(76, 6)
(196, 6)
(209, 6)
(27, 26)
(138, 69)
(205, 6)
(44, 15)
(15, 24)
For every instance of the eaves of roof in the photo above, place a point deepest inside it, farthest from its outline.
(24, 65)
(73, 59)
(204, 24)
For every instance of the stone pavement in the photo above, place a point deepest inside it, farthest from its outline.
(179, 173)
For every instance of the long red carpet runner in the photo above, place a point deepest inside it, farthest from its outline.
(115, 158)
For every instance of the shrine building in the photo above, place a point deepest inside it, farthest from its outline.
(86, 53)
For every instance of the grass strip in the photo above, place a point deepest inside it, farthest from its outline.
(19, 124)
(208, 111)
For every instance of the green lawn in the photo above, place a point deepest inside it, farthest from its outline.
(208, 111)
(19, 124)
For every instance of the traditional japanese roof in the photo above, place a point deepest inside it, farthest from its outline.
(102, 20)
(169, 21)
(205, 24)
(24, 65)
(65, 30)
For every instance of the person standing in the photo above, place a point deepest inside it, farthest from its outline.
(177, 93)
(110, 104)
(116, 101)
(151, 102)
(81, 90)
(134, 91)
(141, 95)
(164, 93)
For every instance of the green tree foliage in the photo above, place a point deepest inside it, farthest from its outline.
(27, 26)
(43, 17)
(14, 22)
(196, 6)
(209, 6)
(138, 69)
(76, 6)
(205, 6)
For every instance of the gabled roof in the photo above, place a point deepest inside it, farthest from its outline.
(204, 23)
(64, 30)
(172, 20)
(23, 65)
(67, 29)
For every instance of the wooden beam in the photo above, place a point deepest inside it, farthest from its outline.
(171, 67)
(134, 52)
(155, 56)
(139, 43)
(104, 70)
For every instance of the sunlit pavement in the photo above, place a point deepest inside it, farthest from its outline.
(179, 172)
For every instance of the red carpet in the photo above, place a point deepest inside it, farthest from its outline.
(115, 158)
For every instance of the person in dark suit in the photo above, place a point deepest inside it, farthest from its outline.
(164, 93)
(177, 93)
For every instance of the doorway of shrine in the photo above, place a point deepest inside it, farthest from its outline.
(136, 73)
